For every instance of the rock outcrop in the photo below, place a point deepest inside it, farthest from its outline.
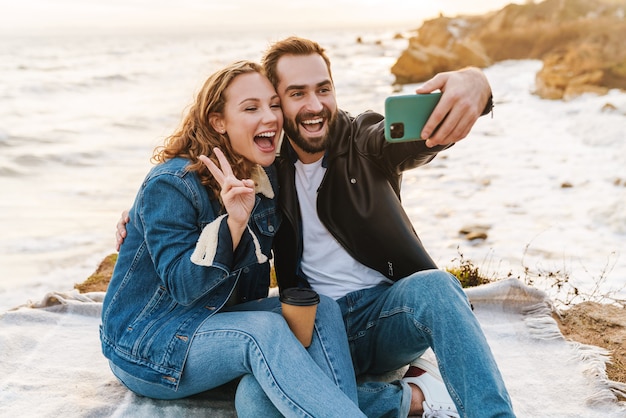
(581, 44)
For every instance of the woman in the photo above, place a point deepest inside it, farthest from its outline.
(186, 309)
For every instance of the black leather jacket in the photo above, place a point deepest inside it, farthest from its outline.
(358, 201)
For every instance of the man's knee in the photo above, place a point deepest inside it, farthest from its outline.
(431, 286)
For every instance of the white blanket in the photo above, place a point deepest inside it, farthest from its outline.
(51, 364)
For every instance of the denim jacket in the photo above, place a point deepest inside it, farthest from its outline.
(177, 268)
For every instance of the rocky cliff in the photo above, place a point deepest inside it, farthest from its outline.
(582, 44)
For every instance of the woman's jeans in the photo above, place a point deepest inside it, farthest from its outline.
(253, 341)
(391, 325)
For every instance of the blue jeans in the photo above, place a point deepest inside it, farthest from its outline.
(389, 326)
(253, 341)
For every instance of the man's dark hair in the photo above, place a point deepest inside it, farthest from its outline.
(290, 46)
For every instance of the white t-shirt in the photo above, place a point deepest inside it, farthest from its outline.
(330, 269)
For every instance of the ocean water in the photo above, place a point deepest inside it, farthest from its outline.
(80, 116)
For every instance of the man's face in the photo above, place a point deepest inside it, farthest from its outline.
(308, 100)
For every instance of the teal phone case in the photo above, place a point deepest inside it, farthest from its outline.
(406, 115)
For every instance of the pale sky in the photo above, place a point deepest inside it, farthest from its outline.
(43, 15)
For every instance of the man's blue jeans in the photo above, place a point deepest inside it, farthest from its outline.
(389, 326)
(253, 341)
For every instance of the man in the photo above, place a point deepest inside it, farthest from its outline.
(345, 234)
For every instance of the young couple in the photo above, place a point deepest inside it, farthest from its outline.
(187, 307)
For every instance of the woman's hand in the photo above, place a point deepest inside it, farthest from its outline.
(237, 195)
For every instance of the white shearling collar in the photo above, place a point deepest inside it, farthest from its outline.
(261, 182)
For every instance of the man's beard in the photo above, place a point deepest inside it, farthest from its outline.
(312, 145)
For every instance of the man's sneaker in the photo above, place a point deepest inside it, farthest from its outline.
(437, 400)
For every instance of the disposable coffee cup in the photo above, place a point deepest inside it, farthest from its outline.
(299, 309)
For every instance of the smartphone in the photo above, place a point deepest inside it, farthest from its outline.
(406, 115)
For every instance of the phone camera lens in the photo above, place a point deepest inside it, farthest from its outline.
(396, 130)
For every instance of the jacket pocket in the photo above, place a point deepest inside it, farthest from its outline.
(267, 221)
(159, 305)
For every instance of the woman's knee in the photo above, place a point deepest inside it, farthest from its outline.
(329, 304)
(328, 310)
(262, 322)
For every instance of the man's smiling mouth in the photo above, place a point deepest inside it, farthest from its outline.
(313, 125)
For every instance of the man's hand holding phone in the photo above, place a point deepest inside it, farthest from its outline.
(466, 95)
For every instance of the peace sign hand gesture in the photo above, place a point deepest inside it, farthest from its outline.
(237, 195)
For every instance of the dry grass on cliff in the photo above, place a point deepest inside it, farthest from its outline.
(99, 279)
(596, 324)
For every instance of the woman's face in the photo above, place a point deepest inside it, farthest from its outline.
(252, 118)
